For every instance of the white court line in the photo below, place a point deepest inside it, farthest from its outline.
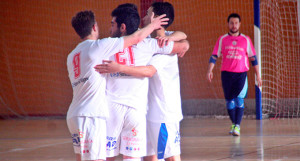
(42, 146)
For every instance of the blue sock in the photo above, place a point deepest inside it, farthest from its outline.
(230, 105)
(239, 103)
(232, 115)
(239, 115)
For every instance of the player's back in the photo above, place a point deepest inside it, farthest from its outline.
(89, 86)
(164, 99)
(129, 90)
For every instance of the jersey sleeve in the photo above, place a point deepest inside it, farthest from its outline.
(217, 48)
(168, 33)
(110, 46)
(164, 50)
(250, 48)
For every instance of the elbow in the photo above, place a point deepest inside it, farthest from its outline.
(148, 74)
(186, 46)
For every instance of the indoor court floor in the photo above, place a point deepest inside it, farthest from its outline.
(201, 139)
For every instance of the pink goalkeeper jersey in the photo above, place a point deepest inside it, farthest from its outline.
(235, 51)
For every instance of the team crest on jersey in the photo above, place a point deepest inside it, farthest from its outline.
(234, 42)
(134, 132)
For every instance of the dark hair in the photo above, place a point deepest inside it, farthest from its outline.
(128, 5)
(127, 16)
(234, 15)
(83, 23)
(160, 8)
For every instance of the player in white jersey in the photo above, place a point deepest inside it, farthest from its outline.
(88, 110)
(128, 95)
(164, 113)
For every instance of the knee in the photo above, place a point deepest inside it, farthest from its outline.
(239, 102)
(230, 104)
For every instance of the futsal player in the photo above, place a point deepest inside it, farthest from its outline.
(235, 49)
(127, 95)
(164, 101)
(86, 117)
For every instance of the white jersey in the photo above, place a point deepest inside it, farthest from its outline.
(88, 85)
(129, 90)
(164, 98)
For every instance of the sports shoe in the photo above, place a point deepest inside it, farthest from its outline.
(232, 128)
(236, 131)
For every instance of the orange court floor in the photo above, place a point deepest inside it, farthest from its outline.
(201, 139)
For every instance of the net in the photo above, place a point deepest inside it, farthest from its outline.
(35, 44)
(280, 58)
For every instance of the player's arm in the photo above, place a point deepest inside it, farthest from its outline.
(181, 47)
(175, 36)
(254, 63)
(136, 71)
(212, 61)
(144, 32)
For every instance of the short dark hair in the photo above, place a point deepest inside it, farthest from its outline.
(83, 23)
(234, 15)
(128, 5)
(160, 8)
(129, 17)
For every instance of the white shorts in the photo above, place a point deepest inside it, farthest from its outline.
(163, 139)
(88, 136)
(126, 131)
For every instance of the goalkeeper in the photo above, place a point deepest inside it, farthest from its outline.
(235, 49)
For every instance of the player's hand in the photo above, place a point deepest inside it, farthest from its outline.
(259, 81)
(158, 21)
(108, 67)
(210, 76)
(181, 54)
(163, 40)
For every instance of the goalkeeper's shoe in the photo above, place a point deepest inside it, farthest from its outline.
(232, 128)
(236, 131)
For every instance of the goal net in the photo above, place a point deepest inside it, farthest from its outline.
(280, 44)
(35, 44)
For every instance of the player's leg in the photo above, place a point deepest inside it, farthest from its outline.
(172, 151)
(115, 123)
(165, 141)
(239, 115)
(133, 135)
(173, 158)
(88, 135)
(227, 85)
(230, 105)
(239, 103)
(152, 138)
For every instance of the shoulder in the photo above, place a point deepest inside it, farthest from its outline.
(168, 33)
(109, 41)
(246, 37)
(147, 41)
(223, 36)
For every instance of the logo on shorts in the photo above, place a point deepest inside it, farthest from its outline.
(80, 133)
(111, 143)
(134, 132)
(76, 140)
(177, 139)
(132, 148)
(234, 42)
